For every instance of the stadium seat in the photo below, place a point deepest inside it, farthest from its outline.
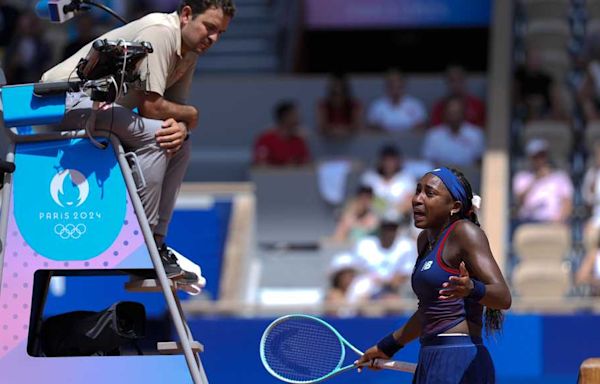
(289, 206)
(565, 98)
(366, 146)
(557, 133)
(555, 62)
(543, 242)
(537, 278)
(546, 9)
(548, 34)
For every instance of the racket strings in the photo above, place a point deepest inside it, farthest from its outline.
(302, 350)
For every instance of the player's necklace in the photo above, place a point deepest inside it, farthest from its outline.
(433, 241)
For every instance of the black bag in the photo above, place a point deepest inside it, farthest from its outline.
(87, 333)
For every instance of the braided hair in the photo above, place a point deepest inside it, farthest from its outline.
(494, 318)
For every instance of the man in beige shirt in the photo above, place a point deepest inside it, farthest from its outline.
(158, 133)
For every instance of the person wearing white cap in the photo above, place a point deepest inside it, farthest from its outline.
(342, 272)
(542, 193)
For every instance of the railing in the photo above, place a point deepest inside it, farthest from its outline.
(552, 305)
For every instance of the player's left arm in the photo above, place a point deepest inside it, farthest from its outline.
(477, 263)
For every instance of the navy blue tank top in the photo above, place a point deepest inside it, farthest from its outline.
(438, 316)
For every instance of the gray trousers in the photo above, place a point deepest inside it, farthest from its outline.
(163, 172)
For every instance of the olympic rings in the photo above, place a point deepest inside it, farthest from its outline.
(70, 231)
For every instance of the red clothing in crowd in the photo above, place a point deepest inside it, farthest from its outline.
(273, 148)
(474, 111)
(339, 116)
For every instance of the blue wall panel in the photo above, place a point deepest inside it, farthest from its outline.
(200, 236)
(532, 349)
(518, 349)
(568, 340)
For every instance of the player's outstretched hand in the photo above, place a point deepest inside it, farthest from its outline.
(369, 357)
(457, 286)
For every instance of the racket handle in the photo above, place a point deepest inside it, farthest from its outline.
(395, 365)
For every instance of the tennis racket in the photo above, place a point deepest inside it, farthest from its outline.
(302, 349)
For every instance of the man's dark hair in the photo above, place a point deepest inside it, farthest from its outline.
(282, 109)
(365, 189)
(389, 150)
(200, 6)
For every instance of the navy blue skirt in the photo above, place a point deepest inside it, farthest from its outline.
(454, 360)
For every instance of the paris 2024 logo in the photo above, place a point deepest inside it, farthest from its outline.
(71, 212)
(70, 188)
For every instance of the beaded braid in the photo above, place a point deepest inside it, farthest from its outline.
(494, 318)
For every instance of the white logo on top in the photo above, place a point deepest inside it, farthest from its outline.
(427, 265)
(69, 188)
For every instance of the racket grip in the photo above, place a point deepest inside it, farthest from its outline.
(395, 365)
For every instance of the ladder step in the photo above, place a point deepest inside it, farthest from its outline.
(174, 347)
(153, 285)
(145, 285)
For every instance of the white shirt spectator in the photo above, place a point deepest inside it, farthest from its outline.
(391, 192)
(385, 263)
(544, 198)
(400, 117)
(464, 148)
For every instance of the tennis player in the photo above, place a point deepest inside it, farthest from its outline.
(454, 277)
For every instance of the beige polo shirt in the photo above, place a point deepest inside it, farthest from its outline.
(165, 71)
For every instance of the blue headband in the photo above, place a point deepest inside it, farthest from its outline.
(455, 187)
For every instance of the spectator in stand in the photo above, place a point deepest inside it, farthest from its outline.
(85, 33)
(457, 87)
(387, 260)
(282, 145)
(339, 114)
(343, 270)
(358, 219)
(590, 191)
(392, 185)
(28, 55)
(535, 94)
(456, 142)
(542, 193)
(396, 111)
(589, 271)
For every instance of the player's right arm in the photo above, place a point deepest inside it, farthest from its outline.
(407, 333)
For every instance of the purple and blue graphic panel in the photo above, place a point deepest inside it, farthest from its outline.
(70, 211)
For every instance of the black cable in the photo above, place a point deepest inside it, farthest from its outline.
(112, 119)
(105, 8)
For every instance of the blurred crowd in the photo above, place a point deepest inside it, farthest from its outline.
(453, 130)
(30, 45)
(555, 139)
(374, 226)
